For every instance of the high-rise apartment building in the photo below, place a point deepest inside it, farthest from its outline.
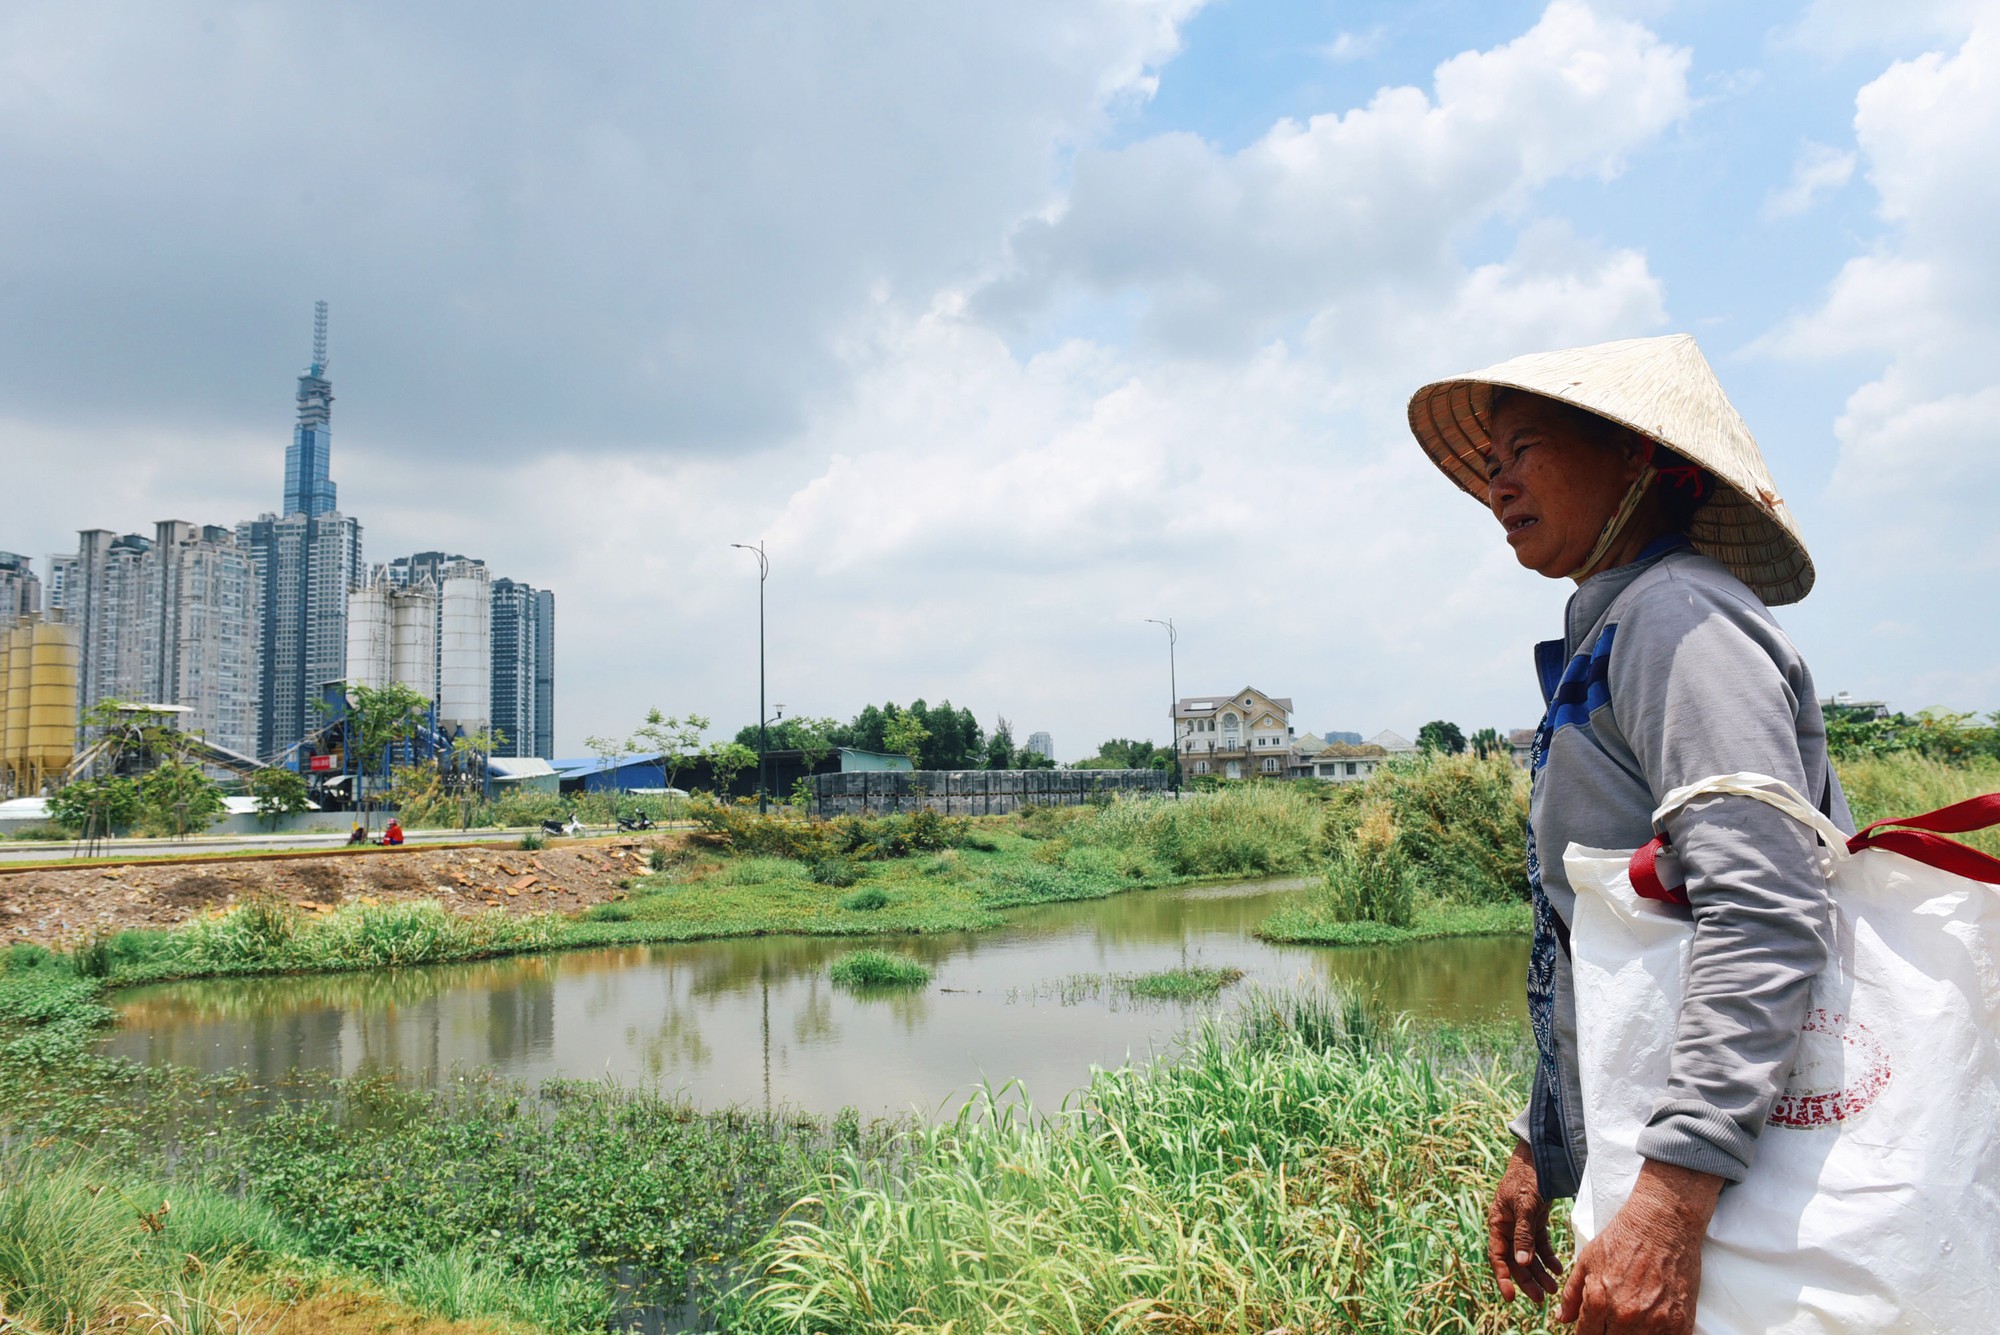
(307, 561)
(20, 591)
(524, 648)
(1042, 745)
(306, 565)
(55, 593)
(105, 599)
(198, 643)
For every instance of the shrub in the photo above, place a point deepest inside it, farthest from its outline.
(533, 841)
(1452, 827)
(836, 871)
(876, 969)
(866, 901)
(656, 858)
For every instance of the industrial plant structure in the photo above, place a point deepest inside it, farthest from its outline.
(38, 714)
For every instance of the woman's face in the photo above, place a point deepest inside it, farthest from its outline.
(1552, 487)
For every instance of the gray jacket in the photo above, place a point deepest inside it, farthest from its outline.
(1671, 670)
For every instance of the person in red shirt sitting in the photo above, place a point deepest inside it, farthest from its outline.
(393, 836)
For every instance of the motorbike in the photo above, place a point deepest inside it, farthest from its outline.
(557, 827)
(635, 823)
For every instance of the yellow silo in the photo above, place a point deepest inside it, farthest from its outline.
(51, 700)
(6, 741)
(20, 644)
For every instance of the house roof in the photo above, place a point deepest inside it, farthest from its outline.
(519, 767)
(1348, 751)
(1391, 741)
(1200, 706)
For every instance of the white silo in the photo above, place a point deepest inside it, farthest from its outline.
(370, 637)
(414, 612)
(465, 654)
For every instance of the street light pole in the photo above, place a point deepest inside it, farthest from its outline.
(1173, 697)
(763, 573)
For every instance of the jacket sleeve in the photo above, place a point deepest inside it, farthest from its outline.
(1704, 684)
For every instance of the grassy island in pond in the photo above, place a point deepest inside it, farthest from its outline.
(868, 969)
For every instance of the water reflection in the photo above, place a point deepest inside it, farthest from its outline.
(757, 1021)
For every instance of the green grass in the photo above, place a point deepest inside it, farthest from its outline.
(1306, 923)
(866, 969)
(272, 936)
(1906, 784)
(1196, 982)
(1297, 1169)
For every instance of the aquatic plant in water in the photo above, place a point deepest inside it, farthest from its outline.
(877, 968)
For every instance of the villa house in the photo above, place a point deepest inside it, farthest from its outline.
(1234, 736)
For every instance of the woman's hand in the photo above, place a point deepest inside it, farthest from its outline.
(1641, 1275)
(1517, 1232)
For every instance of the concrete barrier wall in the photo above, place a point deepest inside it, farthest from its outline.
(975, 792)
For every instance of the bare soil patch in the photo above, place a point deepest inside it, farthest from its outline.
(64, 907)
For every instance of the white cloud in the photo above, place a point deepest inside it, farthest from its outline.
(1350, 46)
(1230, 249)
(1913, 492)
(1820, 170)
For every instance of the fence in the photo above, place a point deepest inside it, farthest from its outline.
(974, 792)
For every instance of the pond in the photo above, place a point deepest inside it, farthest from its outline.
(757, 1022)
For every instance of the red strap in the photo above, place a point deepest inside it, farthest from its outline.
(1920, 839)
(1645, 876)
(1975, 813)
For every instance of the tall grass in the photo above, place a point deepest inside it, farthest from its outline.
(81, 1243)
(1250, 830)
(1298, 1172)
(1907, 784)
(270, 936)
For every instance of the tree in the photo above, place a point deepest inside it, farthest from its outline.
(812, 738)
(1124, 753)
(1000, 746)
(676, 740)
(1438, 735)
(607, 750)
(279, 792)
(905, 735)
(93, 808)
(177, 797)
(1487, 743)
(468, 767)
(726, 760)
(379, 717)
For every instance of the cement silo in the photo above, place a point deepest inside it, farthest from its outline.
(370, 637)
(465, 654)
(6, 717)
(20, 662)
(414, 615)
(51, 733)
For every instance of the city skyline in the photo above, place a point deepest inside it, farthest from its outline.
(1006, 344)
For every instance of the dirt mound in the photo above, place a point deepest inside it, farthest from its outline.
(199, 891)
(321, 882)
(397, 878)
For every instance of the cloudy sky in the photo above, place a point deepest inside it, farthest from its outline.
(1006, 326)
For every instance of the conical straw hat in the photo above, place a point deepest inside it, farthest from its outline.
(1659, 387)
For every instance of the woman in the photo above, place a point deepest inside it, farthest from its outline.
(1623, 467)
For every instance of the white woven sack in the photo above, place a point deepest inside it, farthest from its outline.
(1873, 1204)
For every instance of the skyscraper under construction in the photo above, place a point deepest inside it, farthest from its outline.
(307, 560)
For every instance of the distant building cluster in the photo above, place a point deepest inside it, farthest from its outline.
(246, 629)
(1042, 745)
(1250, 735)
